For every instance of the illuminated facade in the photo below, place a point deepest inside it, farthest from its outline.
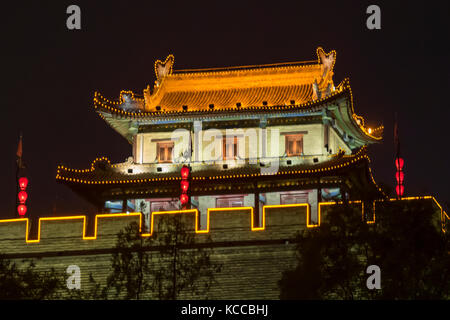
(253, 136)
(271, 149)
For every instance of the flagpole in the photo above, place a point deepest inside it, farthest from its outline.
(18, 166)
(397, 150)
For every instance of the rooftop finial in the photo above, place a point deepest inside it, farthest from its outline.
(162, 69)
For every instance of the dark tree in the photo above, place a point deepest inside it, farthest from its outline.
(25, 282)
(406, 242)
(164, 265)
(130, 262)
(330, 264)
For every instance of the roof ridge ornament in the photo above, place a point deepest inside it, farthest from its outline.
(327, 60)
(324, 86)
(163, 69)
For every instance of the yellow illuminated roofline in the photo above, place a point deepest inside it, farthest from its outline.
(254, 66)
(170, 58)
(112, 106)
(345, 85)
(349, 159)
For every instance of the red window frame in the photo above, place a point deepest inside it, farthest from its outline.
(166, 155)
(234, 147)
(294, 144)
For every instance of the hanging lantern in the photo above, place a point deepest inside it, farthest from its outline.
(184, 198)
(184, 186)
(399, 163)
(23, 183)
(400, 189)
(22, 209)
(400, 176)
(184, 172)
(22, 197)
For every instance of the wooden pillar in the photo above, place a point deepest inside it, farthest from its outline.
(263, 126)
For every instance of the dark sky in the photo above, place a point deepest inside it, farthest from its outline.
(49, 75)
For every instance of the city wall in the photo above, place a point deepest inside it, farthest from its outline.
(252, 256)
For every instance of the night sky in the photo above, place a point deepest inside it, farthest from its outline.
(49, 75)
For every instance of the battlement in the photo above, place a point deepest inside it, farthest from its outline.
(223, 224)
(257, 250)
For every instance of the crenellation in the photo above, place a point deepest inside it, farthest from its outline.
(259, 256)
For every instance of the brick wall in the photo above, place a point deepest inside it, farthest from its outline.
(252, 261)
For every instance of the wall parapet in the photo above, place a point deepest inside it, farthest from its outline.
(223, 224)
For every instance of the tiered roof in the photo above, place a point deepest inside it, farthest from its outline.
(284, 94)
(237, 92)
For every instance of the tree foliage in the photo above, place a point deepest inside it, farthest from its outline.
(163, 266)
(405, 242)
(25, 282)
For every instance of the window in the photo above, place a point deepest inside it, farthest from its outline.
(230, 201)
(294, 197)
(230, 148)
(164, 151)
(294, 144)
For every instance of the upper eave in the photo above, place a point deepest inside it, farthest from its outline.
(339, 103)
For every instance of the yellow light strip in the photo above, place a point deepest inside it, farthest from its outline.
(319, 206)
(53, 219)
(172, 212)
(350, 202)
(341, 87)
(308, 214)
(350, 160)
(374, 218)
(262, 66)
(443, 213)
(444, 217)
(252, 219)
(111, 215)
(19, 220)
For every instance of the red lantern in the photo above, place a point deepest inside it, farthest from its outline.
(400, 176)
(22, 209)
(22, 196)
(399, 163)
(184, 198)
(184, 172)
(184, 186)
(400, 189)
(23, 183)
